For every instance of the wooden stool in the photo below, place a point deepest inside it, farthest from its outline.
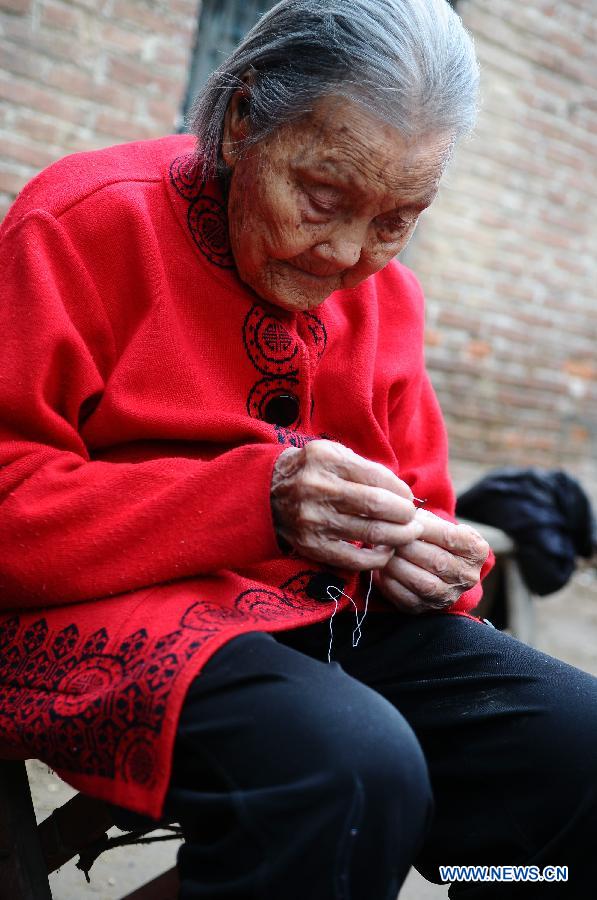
(30, 852)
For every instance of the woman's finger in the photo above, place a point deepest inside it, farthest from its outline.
(461, 540)
(442, 563)
(343, 555)
(430, 588)
(403, 599)
(348, 465)
(373, 531)
(374, 503)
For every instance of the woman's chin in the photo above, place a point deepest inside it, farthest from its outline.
(292, 289)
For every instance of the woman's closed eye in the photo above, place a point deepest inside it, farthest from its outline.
(393, 228)
(324, 200)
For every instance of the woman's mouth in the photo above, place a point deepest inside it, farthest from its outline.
(313, 276)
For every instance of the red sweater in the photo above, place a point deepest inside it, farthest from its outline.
(139, 377)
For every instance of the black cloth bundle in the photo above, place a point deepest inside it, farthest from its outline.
(546, 513)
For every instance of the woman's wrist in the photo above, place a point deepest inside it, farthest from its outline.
(287, 464)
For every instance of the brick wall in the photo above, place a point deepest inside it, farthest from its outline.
(85, 74)
(507, 255)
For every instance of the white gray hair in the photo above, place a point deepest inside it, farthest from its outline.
(409, 62)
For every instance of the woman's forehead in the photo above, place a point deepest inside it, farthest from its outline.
(341, 143)
(413, 186)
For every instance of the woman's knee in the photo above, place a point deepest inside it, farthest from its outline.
(362, 734)
(269, 713)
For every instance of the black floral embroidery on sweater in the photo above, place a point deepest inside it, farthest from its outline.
(274, 352)
(206, 216)
(317, 330)
(293, 594)
(271, 347)
(293, 438)
(66, 700)
(185, 177)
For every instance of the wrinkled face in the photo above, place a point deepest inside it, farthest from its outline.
(327, 201)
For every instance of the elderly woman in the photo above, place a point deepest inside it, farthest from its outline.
(224, 468)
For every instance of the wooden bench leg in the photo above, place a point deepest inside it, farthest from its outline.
(23, 873)
(521, 612)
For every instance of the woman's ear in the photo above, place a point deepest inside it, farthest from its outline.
(237, 123)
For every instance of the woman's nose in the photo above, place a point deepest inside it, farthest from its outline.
(341, 252)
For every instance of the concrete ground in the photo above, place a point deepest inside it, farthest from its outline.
(566, 628)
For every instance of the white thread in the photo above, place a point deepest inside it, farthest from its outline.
(355, 640)
(335, 599)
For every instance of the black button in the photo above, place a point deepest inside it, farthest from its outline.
(282, 410)
(317, 587)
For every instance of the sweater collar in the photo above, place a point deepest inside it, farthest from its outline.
(204, 210)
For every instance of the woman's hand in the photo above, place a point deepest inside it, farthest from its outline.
(434, 570)
(325, 495)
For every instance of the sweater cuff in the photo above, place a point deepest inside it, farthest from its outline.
(258, 524)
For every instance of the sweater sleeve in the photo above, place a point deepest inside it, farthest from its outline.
(419, 438)
(71, 528)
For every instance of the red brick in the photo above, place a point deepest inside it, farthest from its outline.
(78, 142)
(115, 35)
(32, 96)
(549, 238)
(171, 53)
(163, 111)
(47, 44)
(523, 439)
(552, 84)
(108, 123)
(70, 80)
(16, 6)
(143, 77)
(152, 22)
(5, 204)
(579, 435)
(60, 16)
(38, 128)
(433, 337)
(573, 265)
(20, 62)
(188, 8)
(581, 368)
(478, 349)
(94, 6)
(75, 82)
(12, 181)
(27, 152)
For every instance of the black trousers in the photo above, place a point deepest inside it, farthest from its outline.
(437, 740)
